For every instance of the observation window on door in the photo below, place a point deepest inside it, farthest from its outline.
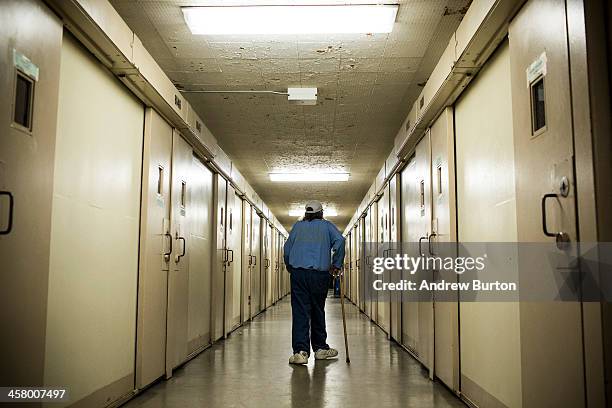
(538, 107)
(439, 174)
(422, 189)
(160, 180)
(183, 193)
(23, 103)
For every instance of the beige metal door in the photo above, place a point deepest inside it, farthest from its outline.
(373, 253)
(383, 240)
(356, 267)
(219, 270)
(361, 226)
(552, 364)
(446, 313)
(26, 179)
(267, 263)
(367, 290)
(394, 239)
(247, 260)
(234, 259)
(256, 288)
(422, 227)
(155, 250)
(200, 214)
(178, 280)
(410, 211)
(416, 227)
(93, 264)
(486, 212)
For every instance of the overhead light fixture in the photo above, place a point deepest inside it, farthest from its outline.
(291, 19)
(327, 212)
(309, 177)
(295, 95)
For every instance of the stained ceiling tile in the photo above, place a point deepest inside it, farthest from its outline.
(404, 64)
(360, 64)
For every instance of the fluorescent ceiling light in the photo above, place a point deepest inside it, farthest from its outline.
(327, 212)
(298, 19)
(309, 177)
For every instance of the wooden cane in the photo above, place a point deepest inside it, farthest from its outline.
(348, 359)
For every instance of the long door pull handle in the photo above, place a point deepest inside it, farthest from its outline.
(420, 241)
(561, 237)
(178, 257)
(167, 254)
(255, 259)
(433, 234)
(9, 226)
(230, 260)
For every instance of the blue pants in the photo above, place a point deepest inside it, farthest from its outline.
(308, 293)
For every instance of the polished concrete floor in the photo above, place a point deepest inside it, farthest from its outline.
(250, 369)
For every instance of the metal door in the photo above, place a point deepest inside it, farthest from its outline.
(200, 215)
(26, 188)
(417, 314)
(410, 211)
(155, 250)
(373, 252)
(422, 227)
(552, 364)
(267, 258)
(178, 279)
(382, 244)
(233, 262)
(361, 226)
(367, 290)
(394, 239)
(446, 313)
(218, 295)
(356, 293)
(247, 260)
(256, 288)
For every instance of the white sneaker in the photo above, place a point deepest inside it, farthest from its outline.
(299, 358)
(326, 354)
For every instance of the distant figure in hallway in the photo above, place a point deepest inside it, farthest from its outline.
(308, 258)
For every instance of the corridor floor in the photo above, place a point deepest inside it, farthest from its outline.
(250, 369)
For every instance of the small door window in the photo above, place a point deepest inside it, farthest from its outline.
(160, 180)
(23, 103)
(183, 193)
(538, 107)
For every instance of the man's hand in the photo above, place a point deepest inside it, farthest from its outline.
(334, 271)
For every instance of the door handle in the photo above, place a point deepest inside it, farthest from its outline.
(178, 257)
(230, 260)
(255, 258)
(560, 237)
(167, 254)
(420, 241)
(266, 263)
(433, 234)
(9, 226)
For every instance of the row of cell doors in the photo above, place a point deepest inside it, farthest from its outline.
(481, 174)
(209, 261)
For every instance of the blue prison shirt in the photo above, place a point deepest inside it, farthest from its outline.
(310, 244)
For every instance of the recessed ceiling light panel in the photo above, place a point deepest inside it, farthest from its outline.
(308, 177)
(297, 19)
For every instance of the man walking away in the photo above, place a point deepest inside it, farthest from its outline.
(307, 256)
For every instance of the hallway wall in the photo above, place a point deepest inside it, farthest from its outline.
(112, 318)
